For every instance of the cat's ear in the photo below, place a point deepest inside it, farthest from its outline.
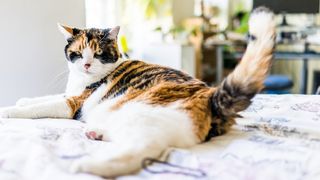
(113, 33)
(67, 31)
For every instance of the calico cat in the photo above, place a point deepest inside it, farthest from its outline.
(145, 108)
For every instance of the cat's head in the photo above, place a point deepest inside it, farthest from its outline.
(91, 52)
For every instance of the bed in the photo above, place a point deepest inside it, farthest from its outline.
(277, 138)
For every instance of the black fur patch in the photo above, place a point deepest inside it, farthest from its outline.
(89, 36)
(75, 31)
(78, 114)
(107, 57)
(74, 56)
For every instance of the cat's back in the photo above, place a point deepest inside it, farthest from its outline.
(141, 76)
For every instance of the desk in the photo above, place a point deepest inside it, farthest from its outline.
(277, 55)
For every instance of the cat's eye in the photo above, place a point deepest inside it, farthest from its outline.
(75, 55)
(99, 52)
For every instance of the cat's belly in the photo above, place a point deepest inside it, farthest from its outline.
(143, 121)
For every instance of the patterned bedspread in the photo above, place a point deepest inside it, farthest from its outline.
(277, 138)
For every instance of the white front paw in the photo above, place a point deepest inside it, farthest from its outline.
(93, 166)
(11, 112)
(80, 165)
(24, 102)
(107, 168)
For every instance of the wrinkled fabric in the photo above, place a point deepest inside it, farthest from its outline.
(278, 138)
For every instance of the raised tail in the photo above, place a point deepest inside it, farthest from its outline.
(237, 89)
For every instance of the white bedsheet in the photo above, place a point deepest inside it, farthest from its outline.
(278, 138)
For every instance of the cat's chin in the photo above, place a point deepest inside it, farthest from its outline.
(86, 73)
(86, 76)
(92, 76)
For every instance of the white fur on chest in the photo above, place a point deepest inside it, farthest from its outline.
(77, 84)
(94, 99)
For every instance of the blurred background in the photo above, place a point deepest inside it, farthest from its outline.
(205, 38)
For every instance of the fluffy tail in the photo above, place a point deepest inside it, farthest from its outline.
(236, 91)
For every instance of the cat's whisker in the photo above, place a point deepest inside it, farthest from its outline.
(58, 79)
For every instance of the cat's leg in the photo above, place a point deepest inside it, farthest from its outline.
(138, 131)
(37, 100)
(57, 108)
(120, 159)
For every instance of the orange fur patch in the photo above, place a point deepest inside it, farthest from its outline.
(76, 102)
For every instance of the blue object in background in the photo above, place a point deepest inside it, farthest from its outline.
(277, 84)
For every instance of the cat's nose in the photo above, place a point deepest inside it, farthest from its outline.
(87, 66)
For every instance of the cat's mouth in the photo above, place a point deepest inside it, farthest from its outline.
(86, 71)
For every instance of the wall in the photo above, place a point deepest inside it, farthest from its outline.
(31, 48)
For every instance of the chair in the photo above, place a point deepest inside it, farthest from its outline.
(277, 84)
(318, 91)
